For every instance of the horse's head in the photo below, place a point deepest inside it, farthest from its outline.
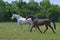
(13, 16)
(16, 16)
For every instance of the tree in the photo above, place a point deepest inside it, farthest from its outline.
(44, 9)
(55, 11)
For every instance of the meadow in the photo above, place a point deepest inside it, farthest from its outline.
(7, 32)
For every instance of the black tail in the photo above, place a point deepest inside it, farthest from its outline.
(53, 21)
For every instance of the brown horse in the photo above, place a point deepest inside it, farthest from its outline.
(38, 22)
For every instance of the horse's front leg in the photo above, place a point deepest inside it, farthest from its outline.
(29, 27)
(32, 28)
(35, 28)
(17, 26)
(39, 29)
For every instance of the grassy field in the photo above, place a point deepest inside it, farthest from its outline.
(7, 32)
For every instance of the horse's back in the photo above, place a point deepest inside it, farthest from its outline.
(41, 21)
(22, 20)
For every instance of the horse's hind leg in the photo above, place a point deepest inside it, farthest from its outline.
(52, 29)
(39, 29)
(45, 29)
(21, 26)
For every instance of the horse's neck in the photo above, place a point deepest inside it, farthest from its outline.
(33, 19)
(18, 17)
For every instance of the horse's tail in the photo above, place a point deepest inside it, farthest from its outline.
(53, 21)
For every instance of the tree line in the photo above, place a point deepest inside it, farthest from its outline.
(43, 9)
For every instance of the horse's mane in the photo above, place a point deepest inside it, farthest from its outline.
(32, 16)
(18, 15)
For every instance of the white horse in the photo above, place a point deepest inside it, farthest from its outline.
(21, 20)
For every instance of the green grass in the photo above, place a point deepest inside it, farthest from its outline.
(7, 31)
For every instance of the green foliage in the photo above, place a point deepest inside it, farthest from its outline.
(41, 10)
